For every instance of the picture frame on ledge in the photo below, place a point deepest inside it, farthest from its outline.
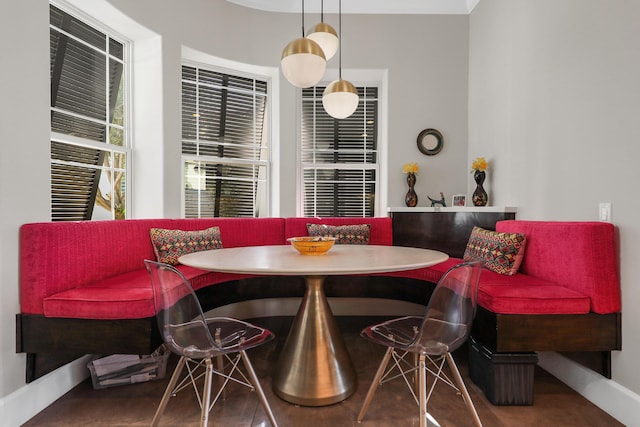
(458, 200)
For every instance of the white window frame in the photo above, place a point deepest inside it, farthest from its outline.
(193, 58)
(358, 77)
(127, 119)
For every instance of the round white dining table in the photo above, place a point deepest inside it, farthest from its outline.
(314, 366)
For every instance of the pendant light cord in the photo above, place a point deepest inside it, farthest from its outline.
(302, 18)
(340, 39)
(322, 11)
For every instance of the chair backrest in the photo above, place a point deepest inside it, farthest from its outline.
(180, 318)
(451, 310)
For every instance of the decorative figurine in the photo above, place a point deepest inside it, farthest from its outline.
(438, 202)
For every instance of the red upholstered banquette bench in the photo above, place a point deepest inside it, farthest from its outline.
(84, 289)
(95, 269)
(565, 296)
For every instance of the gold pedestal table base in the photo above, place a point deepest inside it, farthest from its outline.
(315, 368)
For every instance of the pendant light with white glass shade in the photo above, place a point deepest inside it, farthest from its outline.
(340, 98)
(324, 35)
(303, 62)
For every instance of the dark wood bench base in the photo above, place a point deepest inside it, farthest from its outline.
(586, 338)
(53, 342)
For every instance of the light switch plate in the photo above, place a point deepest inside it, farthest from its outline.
(604, 211)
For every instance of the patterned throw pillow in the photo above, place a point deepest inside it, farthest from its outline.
(357, 234)
(169, 245)
(501, 252)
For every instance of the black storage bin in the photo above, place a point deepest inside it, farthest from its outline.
(505, 378)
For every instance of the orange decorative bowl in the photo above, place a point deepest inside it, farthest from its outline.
(309, 245)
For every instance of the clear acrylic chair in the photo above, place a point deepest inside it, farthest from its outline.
(199, 341)
(418, 344)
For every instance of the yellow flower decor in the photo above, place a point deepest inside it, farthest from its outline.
(410, 168)
(479, 164)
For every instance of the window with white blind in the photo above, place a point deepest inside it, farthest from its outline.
(89, 148)
(225, 146)
(339, 158)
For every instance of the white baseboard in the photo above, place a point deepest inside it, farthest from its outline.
(616, 400)
(27, 401)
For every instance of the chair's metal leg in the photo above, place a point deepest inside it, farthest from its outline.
(168, 391)
(206, 393)
(375, 383)
(220, 363)
(422, 384)
(416, 375)
(258, 387)
(425, 416)
(463, 389)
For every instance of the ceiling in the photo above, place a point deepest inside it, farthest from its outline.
(427, 7)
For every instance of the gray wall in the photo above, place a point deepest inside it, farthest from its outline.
(24, 175)
(554, 103)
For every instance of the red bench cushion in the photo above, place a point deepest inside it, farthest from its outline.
(517, 294)
(430, 274)
(522, 294)
(125, 296)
